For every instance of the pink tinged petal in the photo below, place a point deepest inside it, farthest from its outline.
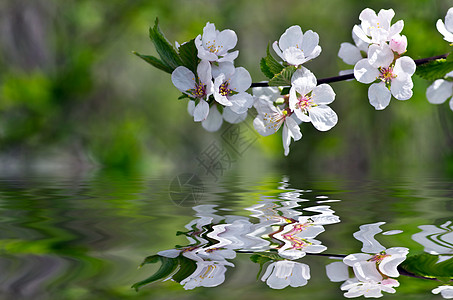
(404, 64)
(396, 28)
(277, 49)
(240, 80)
(449, 19)
(303, 81)
(294, 128)
(201, 111)
(390, 282)
(448, 36)
(337, 271)
(323, 117)
(349, 53)
(358, 31)
(294, 56)
(292, 37)
(231, 56)
(214, 120)
(380, 56)
(183, 79)
(398, 44)
(241, 102)
(402, 87)
(232, 117)
(379, 95)
(226, 40)
(190, 107)
(323, 94)
(364, 72)
(309, 42)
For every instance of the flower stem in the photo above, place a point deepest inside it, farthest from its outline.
(351, 76)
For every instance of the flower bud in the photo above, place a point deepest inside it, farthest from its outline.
(398, 43)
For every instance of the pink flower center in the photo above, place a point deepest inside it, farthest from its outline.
(296, 242)
(304, 102)
(386, 74)
(275, 120)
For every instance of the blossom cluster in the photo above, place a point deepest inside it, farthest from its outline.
(306, 102)
(218, 91)
(383, 65)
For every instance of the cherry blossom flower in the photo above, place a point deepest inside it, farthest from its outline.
(377, 29)
(196, 87)
(398, 43)
(446, 291)
(368, 289)
(283, 273)
(369, 267)
(446, 29)
(269, 120)
(436, 240)
(350, 53)
(309, 102)
(296, 47)
(207, 274)
(230, 86)
(395, 77)
(440, 91)
(214, 45)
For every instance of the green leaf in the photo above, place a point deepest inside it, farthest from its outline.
(265, 69)
(426, 265)
(274, 66)
(189, 55)
(166, 51)
(284, 77)
(436, 69)
(262, 258)
(168, 266)
(186, 268)
(155, 62)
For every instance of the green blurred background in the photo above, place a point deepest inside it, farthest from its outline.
(73, 97)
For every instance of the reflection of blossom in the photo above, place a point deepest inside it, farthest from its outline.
(446, 291)
(207, 274)
(366, 236)
(368, 289)
(372, 267)
(437, 240)
(282, 273)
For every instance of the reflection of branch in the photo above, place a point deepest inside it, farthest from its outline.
(351, 76)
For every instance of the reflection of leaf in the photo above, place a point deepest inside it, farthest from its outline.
(262, 258)
(168, 266)
(186, 268)
(427, 265)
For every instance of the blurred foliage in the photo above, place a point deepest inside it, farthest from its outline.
(72, 92)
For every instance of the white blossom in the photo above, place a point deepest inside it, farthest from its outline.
(440, 91)
(296, 47)
(214, 45)
(446, 291)
(446, 29)
(368, 289)
(377, 29)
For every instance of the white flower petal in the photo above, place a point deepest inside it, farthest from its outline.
(449, 19)
(323, 94)
(240, 80)
(451, 104)
(337, 271)
(204, 74)
(183, 79)
(232, 117)
(364, 72)
(277, 49)
(367, 271)
(323, 117)
(294, 128)
(292, 37)
(226, 40)
(401, 87)
(380, 56)
(358, 31)
(201, 111)
(225, 68)
(448, 36)
(439, 91)
(241, 102)
(309, 42)
(214, 120)
(388, 265)
(230, 57)
(172, 253)
(379, 95)
(286, 137)
(404, 64)
(294, 56)
(261, 127)
(303, 81)
(190, 107)
(349, 53)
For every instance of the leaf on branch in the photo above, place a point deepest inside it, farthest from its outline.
(436, 69)
(189, 55)
(155, 62)
(168, 266)
(166, 51)
(274, 66)
(428, 265)
(284, 77)
(265, 69)
(186, 268)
